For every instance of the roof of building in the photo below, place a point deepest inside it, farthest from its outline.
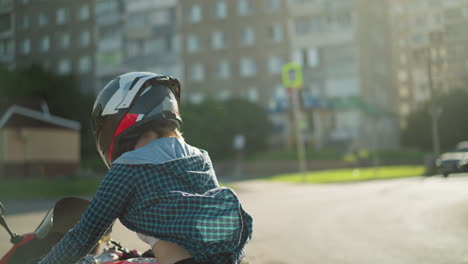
(30, 113)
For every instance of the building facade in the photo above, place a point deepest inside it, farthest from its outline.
(56, 34)
(343, 48)
(7, 36)
(429, 46)
(110, 47)
(153, 47)
(233, 48)
(136, 35)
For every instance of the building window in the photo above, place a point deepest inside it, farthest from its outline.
(43, 19)
(247, 36)
(405, 109)
(160, 17)
(195, 14)
(45, 44)
(84, 64)
(85, 39)
(64, 41)
(196, 98)
(24, 2)
(248, 67)
(223, 70)
(220, 10)
(308, 58)
(275, 33)
(403, 59)
(252, 94)
(223, 95)
(84, 13)
(402, 43)
(275, 63)
(25, 46)
(159, 44)
(6, 47)
(244, 7)
(24, 24)
(175, 43)
(62, 16)
(403, 91)
(133, 49)
(64, 66)
(193, 43)
(273, 5)
(109, 59)
(197, 72)
(402, 76)
(398, 9)
(6, 23)
(218, 40)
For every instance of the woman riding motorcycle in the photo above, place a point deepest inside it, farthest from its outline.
(157, 185)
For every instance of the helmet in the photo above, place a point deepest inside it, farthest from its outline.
(128, 105)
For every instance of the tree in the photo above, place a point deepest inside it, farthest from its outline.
(213, 124)
(453, 123)
(62, 94)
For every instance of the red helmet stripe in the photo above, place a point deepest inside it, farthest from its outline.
(127, 121)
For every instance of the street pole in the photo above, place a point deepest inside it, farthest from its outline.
(292, 79)
(297, 116)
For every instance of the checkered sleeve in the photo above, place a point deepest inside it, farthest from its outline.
(109, 202)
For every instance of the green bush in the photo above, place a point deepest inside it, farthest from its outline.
(213, 124)
(453, 123)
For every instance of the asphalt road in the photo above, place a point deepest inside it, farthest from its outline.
(406, 221)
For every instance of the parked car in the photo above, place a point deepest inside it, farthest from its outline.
(463, 164)
(455, 161)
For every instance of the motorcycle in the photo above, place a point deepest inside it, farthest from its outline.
(30, 248)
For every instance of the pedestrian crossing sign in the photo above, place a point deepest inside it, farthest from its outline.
(292, 76)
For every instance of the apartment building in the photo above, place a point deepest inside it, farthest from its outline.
(429, 47)
(136, 35)
(110, 47)
(453, 43)
(56, 34)
(7, 36)
(343, 47)
(233, 48)
(151, 38)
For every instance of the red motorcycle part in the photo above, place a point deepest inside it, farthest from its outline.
(26, 239)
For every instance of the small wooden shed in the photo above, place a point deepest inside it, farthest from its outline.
(35, 143)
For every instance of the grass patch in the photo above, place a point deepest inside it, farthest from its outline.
(47, 188)
(331, 155)
(292, 155)
(352, 175)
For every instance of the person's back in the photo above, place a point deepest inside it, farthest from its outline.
(158, 186)
(181, 179)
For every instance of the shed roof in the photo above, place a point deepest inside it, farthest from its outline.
(19, 116)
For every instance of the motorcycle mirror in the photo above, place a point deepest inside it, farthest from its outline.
(15, 239)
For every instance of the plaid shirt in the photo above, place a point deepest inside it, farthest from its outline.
(177, 201)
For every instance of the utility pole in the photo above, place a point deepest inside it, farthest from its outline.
(299, 137)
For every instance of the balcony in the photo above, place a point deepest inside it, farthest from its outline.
(6, 27)
(6, 6)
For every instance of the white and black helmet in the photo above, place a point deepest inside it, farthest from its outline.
(129, 104)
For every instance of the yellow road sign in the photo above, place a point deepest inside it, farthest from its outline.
(292, 76)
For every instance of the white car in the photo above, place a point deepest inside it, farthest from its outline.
(454, 162)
